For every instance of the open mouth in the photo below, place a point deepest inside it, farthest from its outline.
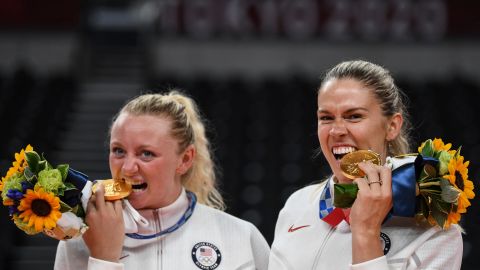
(136, 185)
(139, 187)
(339, 152)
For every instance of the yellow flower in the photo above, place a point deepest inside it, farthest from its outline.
(18, 165)
(458, 177)
(23, 226)
(41, 209)
(452, 218)
(437, 145)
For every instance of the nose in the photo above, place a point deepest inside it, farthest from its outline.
(338, 129)
(129, 166)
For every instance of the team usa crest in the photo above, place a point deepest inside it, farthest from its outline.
(206, 256)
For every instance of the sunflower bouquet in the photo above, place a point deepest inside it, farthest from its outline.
(43, 198)
(431, 185)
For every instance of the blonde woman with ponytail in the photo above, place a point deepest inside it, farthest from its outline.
(173, 219)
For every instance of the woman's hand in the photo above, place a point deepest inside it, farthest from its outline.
(373, 202)
(106, 232)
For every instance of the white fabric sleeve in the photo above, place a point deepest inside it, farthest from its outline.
(97, 264)
(430, 256)
(379, 263)
(260, 249)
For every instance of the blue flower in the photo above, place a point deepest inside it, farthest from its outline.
(12, 209)
(14, 194)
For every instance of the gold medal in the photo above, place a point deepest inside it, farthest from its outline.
(114, 189)
(349, 162)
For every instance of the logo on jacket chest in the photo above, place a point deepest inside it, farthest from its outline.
(206, 256)
(386, 243)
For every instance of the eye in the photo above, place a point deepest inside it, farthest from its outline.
(147, 155)
(117, 151)
(325, 118)
(354, 117)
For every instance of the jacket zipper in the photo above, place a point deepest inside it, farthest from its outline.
(320, 250)
(158, 226)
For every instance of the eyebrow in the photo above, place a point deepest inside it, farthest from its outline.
(348, 111)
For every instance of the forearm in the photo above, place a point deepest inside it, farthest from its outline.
(366, 245)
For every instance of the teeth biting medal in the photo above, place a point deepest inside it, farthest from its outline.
(349, 162)
(115, 189)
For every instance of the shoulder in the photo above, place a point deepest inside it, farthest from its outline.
(223, 219)
(306, 195)
(396, 162)
(453, 233)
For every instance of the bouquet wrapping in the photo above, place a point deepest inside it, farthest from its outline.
(431, 185)
(43, 198)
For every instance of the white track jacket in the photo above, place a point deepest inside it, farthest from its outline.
(210, 239)
(304, 242)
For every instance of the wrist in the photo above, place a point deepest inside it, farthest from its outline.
(106, 257)
(366, 245)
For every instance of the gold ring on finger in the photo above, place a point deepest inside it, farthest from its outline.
(373, 182)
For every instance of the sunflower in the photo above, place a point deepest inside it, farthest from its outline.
(438, 146)
(18, 165)
(452, 218)
(458, 177)
(41, 209)
(23, 225)
(20, 161)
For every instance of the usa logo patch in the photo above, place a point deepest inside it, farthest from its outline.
(386, 243)
(206, 256)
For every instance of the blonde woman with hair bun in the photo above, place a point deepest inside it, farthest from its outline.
(360, 108)
(173, 219)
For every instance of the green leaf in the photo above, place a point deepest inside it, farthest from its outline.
(430, 192)
(449, 192)
(428, 172)
(79, 212)
(33, 160)
(430, 186)
(443, 161)
(29, 175)
(423, 206)
(70, 186)
(344, 195)
(63, 168)
(42, 165)
(458, 152)
(428, 149)
(64, 207)
(442, 206)
(439, 216)
(60, 191)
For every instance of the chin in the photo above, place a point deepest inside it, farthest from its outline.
(136, 203)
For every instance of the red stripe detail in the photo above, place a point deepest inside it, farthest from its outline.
(346, 213)
(335, 217)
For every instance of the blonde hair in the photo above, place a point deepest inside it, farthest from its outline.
(188, 129)
(391, 99)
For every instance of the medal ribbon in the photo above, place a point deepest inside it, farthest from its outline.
(403, 192)
(404, 184)
(188, 213)
(328, 212)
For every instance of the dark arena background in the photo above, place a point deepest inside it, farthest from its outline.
(253, 66)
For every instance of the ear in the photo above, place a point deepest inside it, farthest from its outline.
(186, 160)
(394, 126)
